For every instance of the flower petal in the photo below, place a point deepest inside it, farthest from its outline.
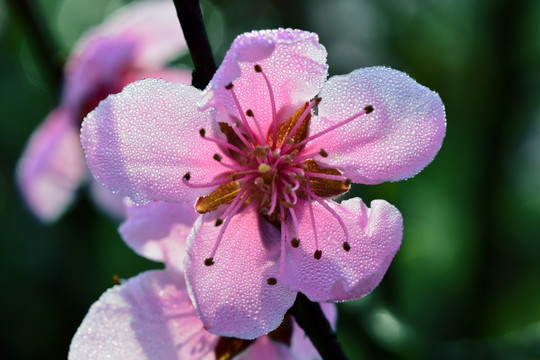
(149, 316)
(52, 167)
(158, 230)
(152, 26)
(143, 141)
(232, 296)
(375, 236)
(397, 140)
(293, 61)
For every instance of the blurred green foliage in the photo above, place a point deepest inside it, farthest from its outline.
(465, 284)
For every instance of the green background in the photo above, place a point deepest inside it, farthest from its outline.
(465, 284)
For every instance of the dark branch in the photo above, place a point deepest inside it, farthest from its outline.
(310, 317)
(189, 14)
(40, 38)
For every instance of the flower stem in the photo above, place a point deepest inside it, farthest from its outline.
(190, 16)
(310, 317)
(41, 39)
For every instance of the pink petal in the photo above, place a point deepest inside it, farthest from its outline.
(52, 167)
(158, 230)
(109, 202)
(149, 316)
(397, 140)
(152, 26)
(375, 237)
(232, 296)
(96, 72)
(293, 60)
(143, 141)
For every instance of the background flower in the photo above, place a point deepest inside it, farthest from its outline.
(134, 43)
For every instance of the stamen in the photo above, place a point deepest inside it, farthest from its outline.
(217, 157)
(262, 139)
(329, 209)
(299, 123)
(219, 221)
(317, 255)
(295, 242)
(226, 145)
(313, 222)
(242, 116)
(209, 261)
(202, 132)
(323, 153)
(187, 182)
(271, 281)
(333, 127)
(346, 246)
(326, 176)
(283, 243)
(258, 69)
(235, 206)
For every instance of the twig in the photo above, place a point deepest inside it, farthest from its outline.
(189, 14)
(310, 317)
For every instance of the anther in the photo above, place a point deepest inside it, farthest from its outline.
(347, 182)
(346, 246)
(219, 221)
(288, 188)
(317, 100)
(289, 140)
(249, 113)
(264, 211)
(259, 181)
(209, 261)
(295, 242)
(261, 151)
(288, 204)
(271, 281)
(258, 68)
(323, 153)
(187, 176)
(217, 157)
(202, 132)
(229, 86)
(317, 255)
(368, 109)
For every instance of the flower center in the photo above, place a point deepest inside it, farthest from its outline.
(275, 171)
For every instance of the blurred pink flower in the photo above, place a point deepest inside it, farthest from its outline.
(151, 316)
(134, 43)
(262, 151)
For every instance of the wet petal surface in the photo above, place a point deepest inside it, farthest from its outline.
(143, 141)
(375, 236)
(395, 141)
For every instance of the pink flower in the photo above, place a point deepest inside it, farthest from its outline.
(134, 43)
(262, 151)
(151, 316)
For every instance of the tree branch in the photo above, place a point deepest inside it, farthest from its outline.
(310, 317)
(189, 14)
